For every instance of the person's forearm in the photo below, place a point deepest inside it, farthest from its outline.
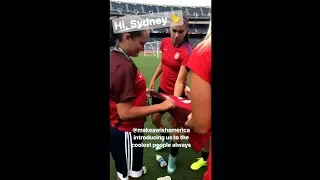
(157, 73)
(140, 111)
(178, 89)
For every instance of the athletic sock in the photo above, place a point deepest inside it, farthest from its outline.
(174, 150)
(165, 135)
(205, 155)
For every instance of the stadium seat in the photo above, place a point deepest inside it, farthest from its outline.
(136, 8)
(161, 30)
(164, 9)
(206, 11)
(192, 28)
(185, 11)
(194, 11)
(194, 41)
(119, 7)
(176, 8)
(202, 28)
(150, 9)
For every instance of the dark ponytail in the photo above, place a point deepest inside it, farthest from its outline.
(186, 37)
(186, 21)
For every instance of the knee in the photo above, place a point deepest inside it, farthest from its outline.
(156, 118)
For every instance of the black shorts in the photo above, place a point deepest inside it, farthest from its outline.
(157, 101)
(128, 160)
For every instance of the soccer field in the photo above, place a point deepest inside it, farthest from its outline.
(147, 65)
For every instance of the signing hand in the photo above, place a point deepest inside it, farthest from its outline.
(148, 92)
(151, 85)
(167, 104)
(187, 92)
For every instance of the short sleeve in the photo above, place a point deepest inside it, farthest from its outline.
(201, 64)
(185, 59)
(122, 83)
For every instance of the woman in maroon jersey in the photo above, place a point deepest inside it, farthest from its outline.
(128, 108)
(175, 55)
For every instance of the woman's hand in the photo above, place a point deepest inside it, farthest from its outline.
(187, 92)
(188, 122)
(151, 85)
(148, 92)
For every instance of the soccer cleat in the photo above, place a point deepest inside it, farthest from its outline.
(171, 168)
(197, 165)
(161, 146)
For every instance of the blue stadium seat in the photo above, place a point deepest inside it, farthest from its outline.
(192, 28)
(194, 11)
(185, 11)
(162, 30)
(202, 28)
(118, 7)
(149, 9)
(164, 9)
(176, 8)
(194, 41)
(206, 11)
(136, 8)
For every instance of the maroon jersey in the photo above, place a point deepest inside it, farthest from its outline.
(126, 84)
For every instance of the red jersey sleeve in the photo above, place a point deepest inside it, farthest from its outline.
(201, 63)
(185, 59)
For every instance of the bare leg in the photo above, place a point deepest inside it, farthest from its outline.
(156, 120)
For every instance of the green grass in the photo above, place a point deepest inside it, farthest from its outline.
(147, 65)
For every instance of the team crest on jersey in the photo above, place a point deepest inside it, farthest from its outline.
(176, 56)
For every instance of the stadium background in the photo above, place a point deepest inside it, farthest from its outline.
(147, 62)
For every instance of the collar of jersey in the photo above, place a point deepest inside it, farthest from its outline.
(122, 52)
